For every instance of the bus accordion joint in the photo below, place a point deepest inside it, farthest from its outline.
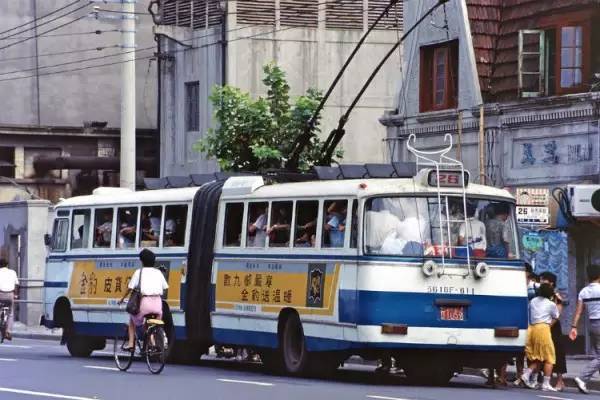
(507, 332)
(395, 329)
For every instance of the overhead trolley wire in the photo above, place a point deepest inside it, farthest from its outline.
(39, 18)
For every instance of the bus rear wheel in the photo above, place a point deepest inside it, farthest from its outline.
(432, 373)
(80, 346)
(293, 346)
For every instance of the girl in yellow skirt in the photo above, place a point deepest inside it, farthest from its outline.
(539, 348)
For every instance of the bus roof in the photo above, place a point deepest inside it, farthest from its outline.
(115, 196)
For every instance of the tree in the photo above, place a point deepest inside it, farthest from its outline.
(258, 134)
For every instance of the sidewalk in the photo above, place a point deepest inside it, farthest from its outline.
(35, 332)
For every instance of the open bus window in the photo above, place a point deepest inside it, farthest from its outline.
(150, 226)
(334, 223)
(80, 229)
(354, 227)
(416, 227)
(256, 235)
(279, 230)
(175, 221)
(127, 225)
(306, 223)
(103, 227)
(232, 230)
(60, 234)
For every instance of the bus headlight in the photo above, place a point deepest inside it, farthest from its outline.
(481, 270)
(429, 268)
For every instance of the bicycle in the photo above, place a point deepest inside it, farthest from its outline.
(152, 346)
(4, 315)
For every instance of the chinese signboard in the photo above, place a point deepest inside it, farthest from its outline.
(532, 206)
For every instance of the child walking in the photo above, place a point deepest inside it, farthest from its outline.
(539, 349)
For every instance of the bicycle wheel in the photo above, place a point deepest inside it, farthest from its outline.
(155, 349)
(123, 357)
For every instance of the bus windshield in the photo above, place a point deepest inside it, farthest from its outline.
(418, 226)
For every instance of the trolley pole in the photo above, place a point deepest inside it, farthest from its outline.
(127, 173)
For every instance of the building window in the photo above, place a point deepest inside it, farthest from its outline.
(439, 78)
(192, 107)
(557, 59)
(7, 162)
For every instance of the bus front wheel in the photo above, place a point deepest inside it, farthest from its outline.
(80, 346)
(295, 355)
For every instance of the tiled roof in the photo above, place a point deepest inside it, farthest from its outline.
(495, 26)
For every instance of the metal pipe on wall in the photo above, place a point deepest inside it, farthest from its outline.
(128, 95)
(481, 145)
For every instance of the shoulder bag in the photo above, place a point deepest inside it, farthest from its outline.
(135, 299)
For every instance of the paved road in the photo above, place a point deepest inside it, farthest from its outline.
(34, 369)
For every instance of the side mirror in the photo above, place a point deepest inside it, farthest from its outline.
(47, 239)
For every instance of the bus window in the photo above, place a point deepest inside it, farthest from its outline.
(257, 224)
(175, 219)
(232, 229)
(60, 234)
(306, 223)
(334, 223)
(127, 223)
(103, 227)
(80, 229)
(150, 224)
(279, 231)
(354, 230)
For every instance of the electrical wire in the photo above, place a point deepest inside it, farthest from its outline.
(561, 197)
(46, 22)
(43, 33)
(60, 53)
(96, 32)
(39, 18)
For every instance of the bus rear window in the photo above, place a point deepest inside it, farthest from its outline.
(279, 230)
(80, 229)
(103, 221)
(334, 223)
(60, 234)
(232, 229)
(175, 222)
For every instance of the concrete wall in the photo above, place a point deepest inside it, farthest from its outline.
(69, 98)
(23, 225)
(311, 57)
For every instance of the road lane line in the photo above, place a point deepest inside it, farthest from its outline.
(246, 382)
(8, 359)
(105, 353)
(15, 346)
(44, 394)
(553, 397)
(384, 397)
(100, 367)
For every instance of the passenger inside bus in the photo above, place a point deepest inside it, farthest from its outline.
(472, 234)
(306, 223)
(335, 223)
(279, 231)
(150, 225)
(234, 215)
(498, 232)
(175, 221)
(257, 230)
(103, 227)
(127, 227)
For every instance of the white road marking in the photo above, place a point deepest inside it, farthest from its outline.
(100, 367)
(15, 346)
(384, 397)
(8, 359)
(553, 397)
(44, 394)
(246, 382)
(105, 353)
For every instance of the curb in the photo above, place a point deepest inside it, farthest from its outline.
(37, 336)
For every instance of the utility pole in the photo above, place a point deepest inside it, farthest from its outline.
(128, 95)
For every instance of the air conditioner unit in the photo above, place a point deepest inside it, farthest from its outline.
(585, 200)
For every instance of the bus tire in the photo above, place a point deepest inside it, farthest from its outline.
(272, 360)
(185, 352)
(432, 373)
(80, 346)
(293, 346)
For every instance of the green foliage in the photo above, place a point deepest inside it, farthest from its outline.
(258, 134)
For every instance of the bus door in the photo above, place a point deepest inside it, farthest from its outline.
(57, 265)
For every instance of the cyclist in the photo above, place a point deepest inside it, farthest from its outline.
(8, 292)
(152, 287)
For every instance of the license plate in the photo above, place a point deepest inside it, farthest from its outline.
(452, 313)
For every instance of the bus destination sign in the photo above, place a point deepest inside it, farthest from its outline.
(448, 178)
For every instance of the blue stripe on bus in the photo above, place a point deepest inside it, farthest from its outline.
(112, 329)
(270, 340)
(51, 284)
(419, 309)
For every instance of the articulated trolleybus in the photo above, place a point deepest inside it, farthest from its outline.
(421, 266)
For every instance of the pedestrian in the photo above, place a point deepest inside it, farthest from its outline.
(589, 299)
(532, 287)
(9, 285)
(152, 286)
(560, 367)
(539, 348)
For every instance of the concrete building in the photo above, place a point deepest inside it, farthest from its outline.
(57, 99)
(531, 67)
(309, 39)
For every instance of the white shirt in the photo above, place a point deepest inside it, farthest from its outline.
(542, 310)
(153, 281)
(260, 234)
(8, 280)
(590, 295)
(476, 230)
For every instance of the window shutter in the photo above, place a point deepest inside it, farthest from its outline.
(531, 63)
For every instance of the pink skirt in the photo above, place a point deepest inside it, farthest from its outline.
(148, 305)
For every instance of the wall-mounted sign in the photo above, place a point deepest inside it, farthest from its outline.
(532, 196)
(533, 215)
